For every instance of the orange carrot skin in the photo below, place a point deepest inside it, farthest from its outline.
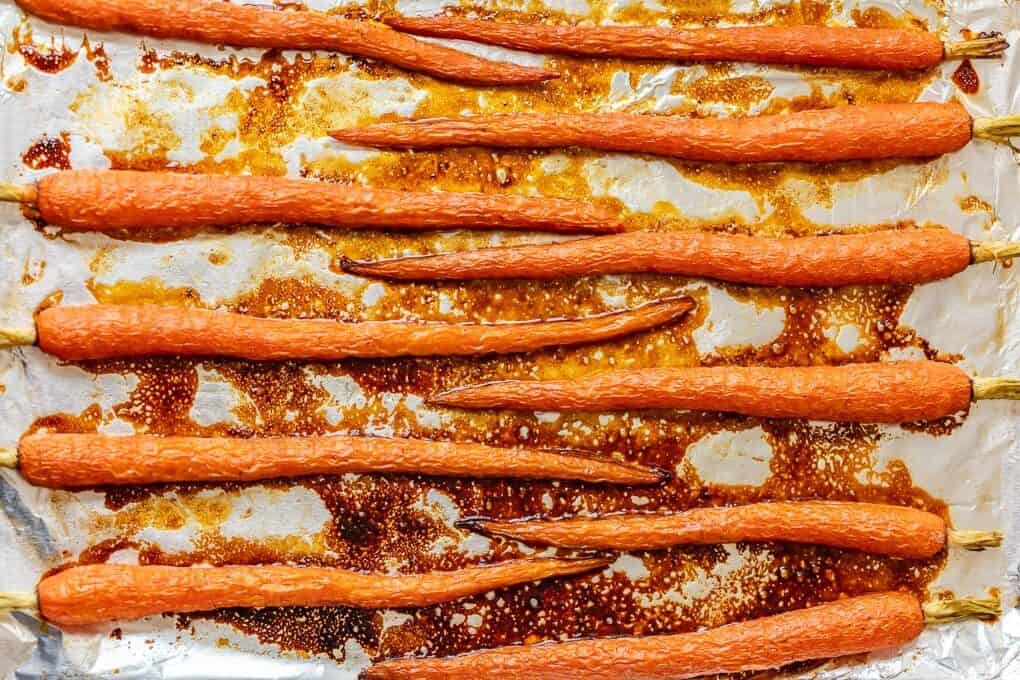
(108, 331)
(889, 49)
(215, 22)
(81, 460)
(105, 592)
(868, 527)
(884, 257)
(125, 199)
(850, 626)
(892, 392)
(842, 133)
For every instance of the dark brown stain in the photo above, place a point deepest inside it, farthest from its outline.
(966, 78)
(49, 152)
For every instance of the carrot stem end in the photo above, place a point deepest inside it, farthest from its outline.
(18, 193)
(18, 601)
(974, 540)
(999, 130)
(989, 251)
(8, 458)
(16, 337)
(996, 388)
(948, 611)
(985, 47)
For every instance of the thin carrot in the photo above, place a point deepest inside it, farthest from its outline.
(840, 133)
(868, 527)
(849, 626)
(890, 49)
(883, 257)
(898, 391)
(226, 23)
(63, 461)
(104, 200)
(95, 593)
(107, 331)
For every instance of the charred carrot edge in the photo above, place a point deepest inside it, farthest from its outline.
(83, 460)
(893, 392)
(214, 22)
(865, 131)
(882, 257)
(868, 527)
(845, 627)
(107, 331)
(890, 49)
(104, 200)
(105, 592)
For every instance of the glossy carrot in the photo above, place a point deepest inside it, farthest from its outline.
(104, 592)
(211, 21)
(890, 49)
(80, 460)
(840, 133)
(104, 200)
(893, 392)
(883, 257)
(107, 331)
(849, 626)
(869, 527)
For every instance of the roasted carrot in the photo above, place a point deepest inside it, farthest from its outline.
(95, 593)
(883, 257)
(840, 133)
(209, 21)
(844, 627)
(107, 331)
(893, 392)
(869, 527)
(889, 49)
(63, 461)
(104, 200)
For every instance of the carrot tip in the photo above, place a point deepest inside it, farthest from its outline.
(473, 524)
(948, 611)
(664, 475)
(988, 46)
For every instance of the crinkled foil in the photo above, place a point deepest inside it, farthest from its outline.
(117, 100)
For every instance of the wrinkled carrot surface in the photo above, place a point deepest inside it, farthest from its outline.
(212, 21)
(125, 199)
(850, 626)
(884, 257)
(889, 49)
(893, 392)
(107, 331)
(869, 527)
(104, 592)
(841, 133)
(81, 460)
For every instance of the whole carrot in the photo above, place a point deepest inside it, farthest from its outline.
(841, 133)
(889, 49)
(107, 331)
(210, 21)
(62, 461)
(893, 392)
(104, 200)
(95, 593)
(883, 257)
(868, 527)
(849, 626)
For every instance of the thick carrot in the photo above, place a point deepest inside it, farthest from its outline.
(123, 199)
(850, 626)
(868, 527)
(227, 23)
(104, 592)
(80, 460)
(884, 257)
(841, 133)
(107, 331)
(893, 392)
(890, 49)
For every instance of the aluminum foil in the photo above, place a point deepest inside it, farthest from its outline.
(135, 100)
